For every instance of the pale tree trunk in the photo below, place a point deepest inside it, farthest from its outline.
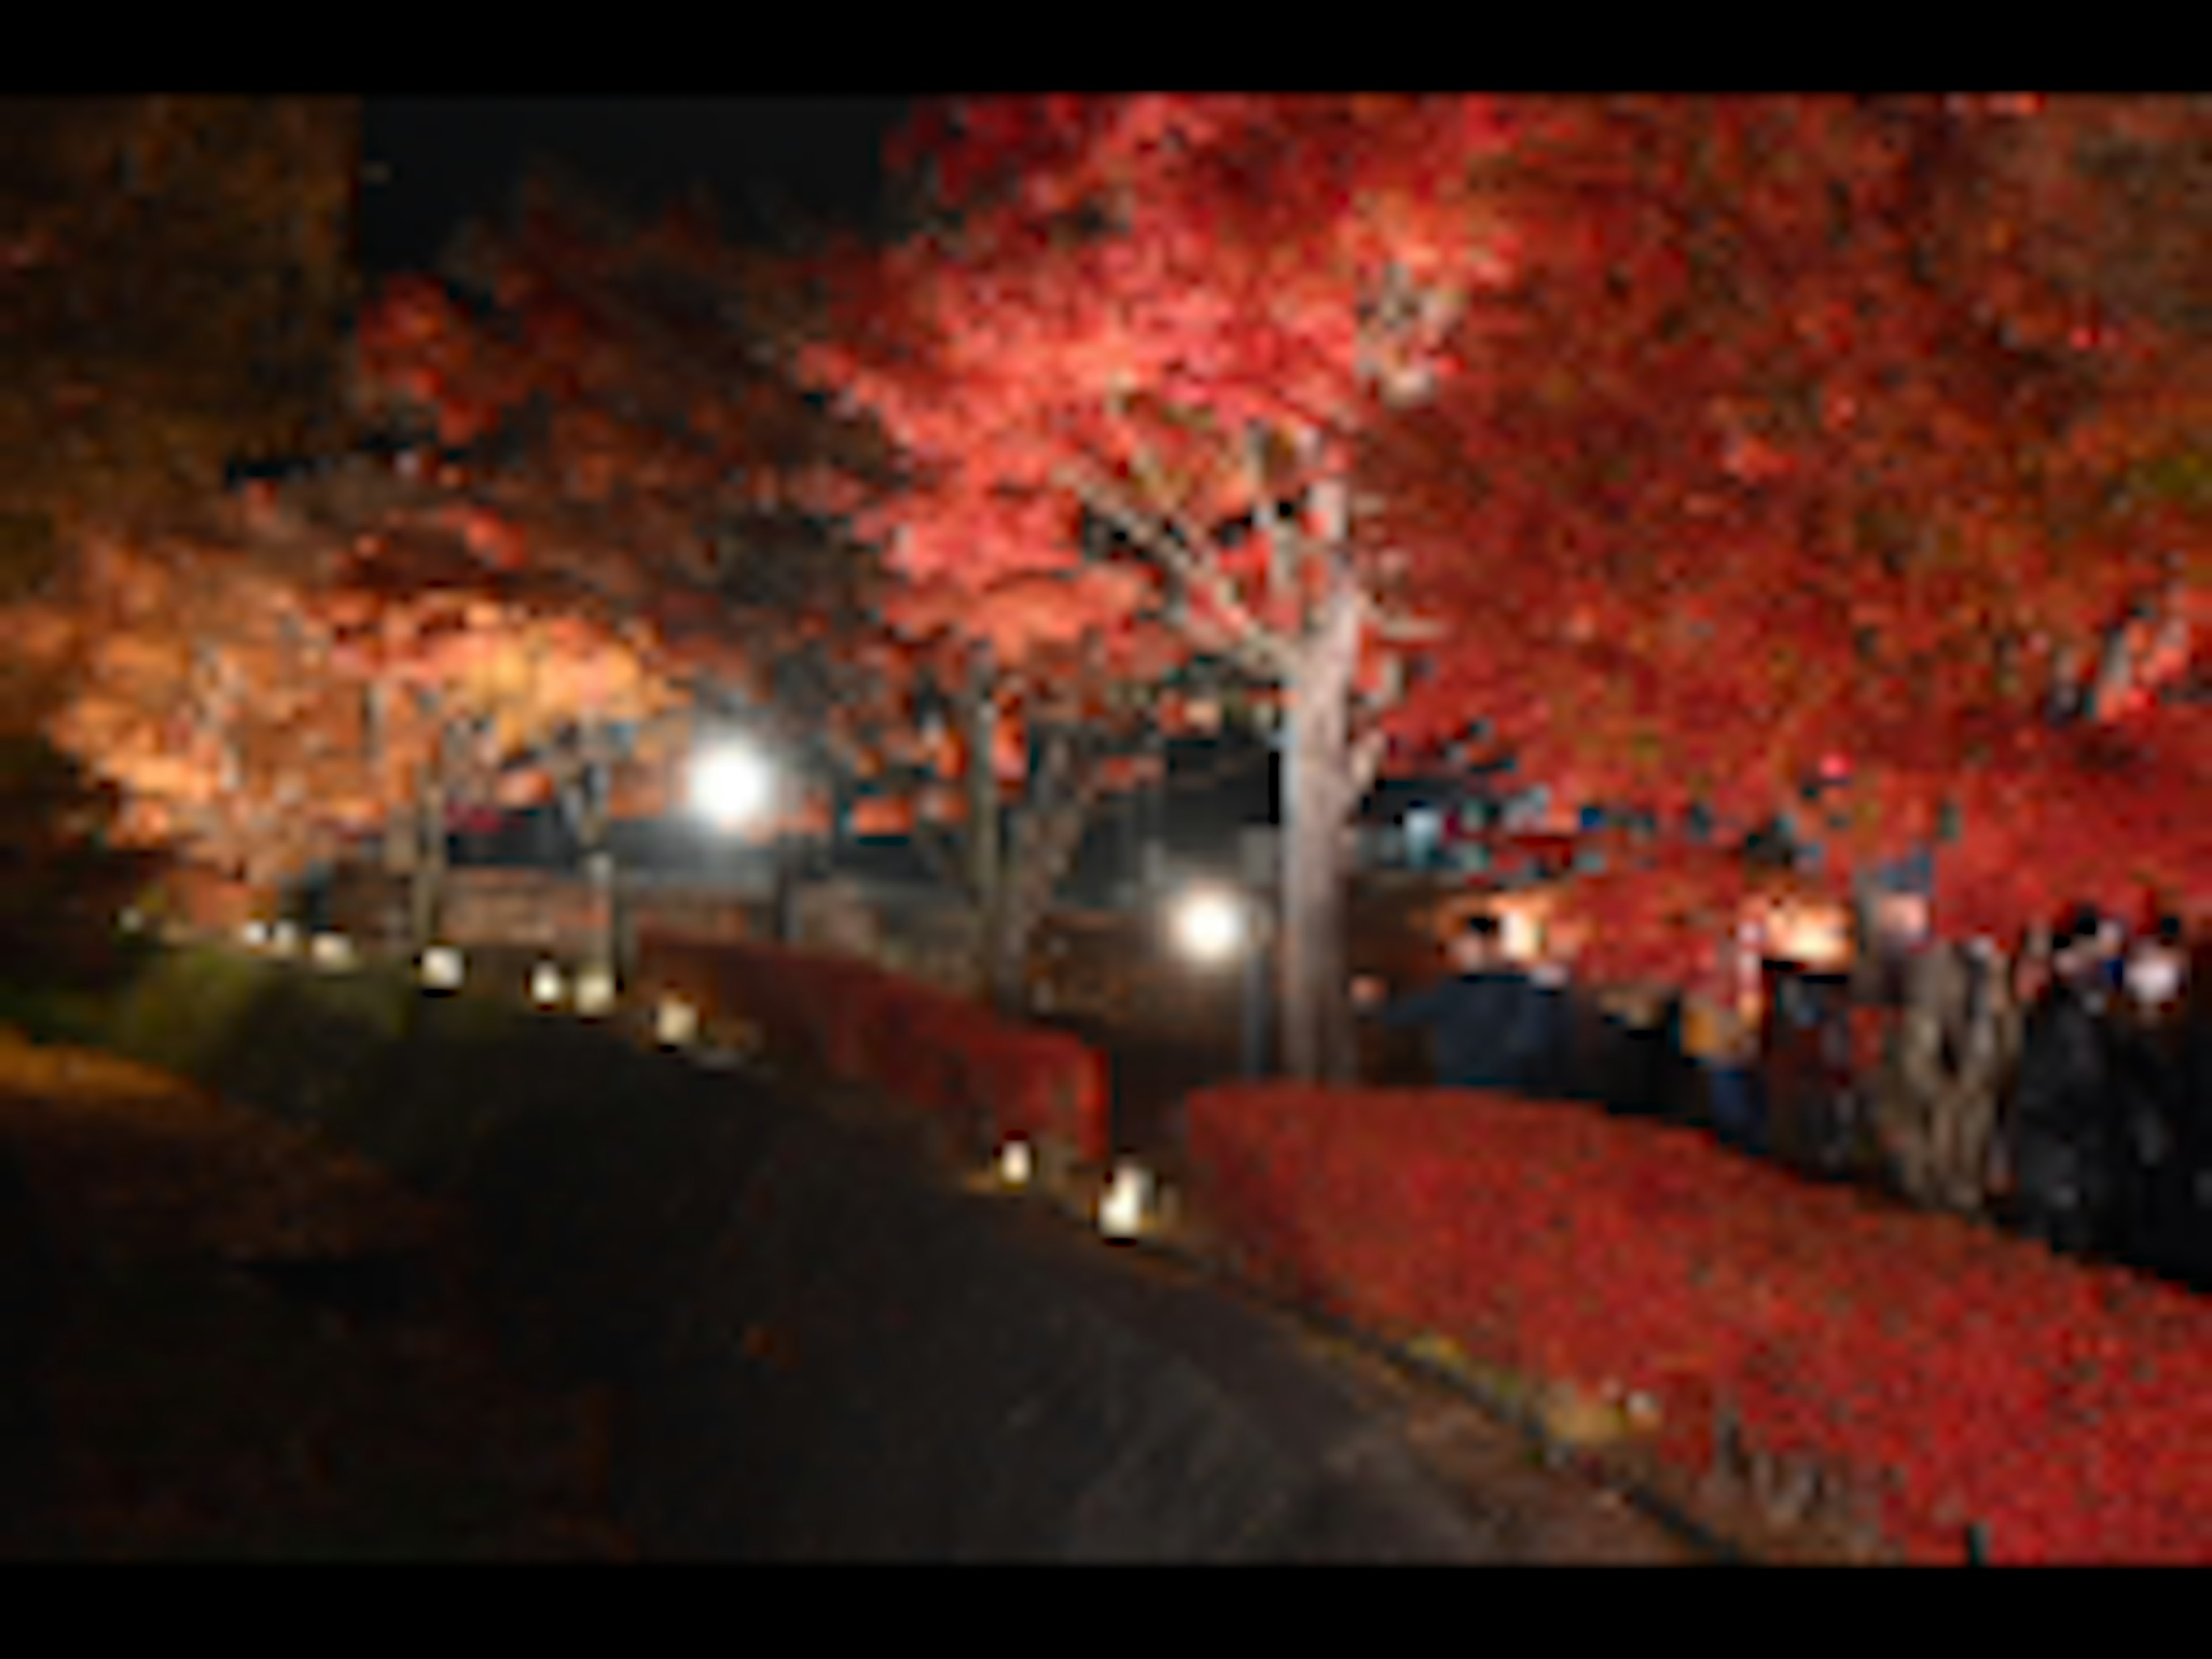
(1317, 798)
(1950, 1059)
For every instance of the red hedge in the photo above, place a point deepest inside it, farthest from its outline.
(986, 1077)
(2067, 1407)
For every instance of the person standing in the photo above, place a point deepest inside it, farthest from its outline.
(2192, 1173)
(2061, 1130)
(1488, 1028)
(1720, 1035)
(2151, 1079)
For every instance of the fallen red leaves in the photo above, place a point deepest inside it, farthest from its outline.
(2068, 1408)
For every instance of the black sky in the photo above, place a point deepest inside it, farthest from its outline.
(434, 162)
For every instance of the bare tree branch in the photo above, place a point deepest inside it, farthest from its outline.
(1261, 649)
(1285, 549)
(1399, 628)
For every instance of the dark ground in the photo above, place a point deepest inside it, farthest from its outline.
(603, 1303)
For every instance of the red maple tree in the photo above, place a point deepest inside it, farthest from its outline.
(659, 461)
(1138, 319)
(1855, 437)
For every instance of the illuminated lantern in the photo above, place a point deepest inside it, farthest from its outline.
(677, 1022)
(545, 985)
(595, 992)
(1014, 1167)
(441, 967)
(1127, 1204)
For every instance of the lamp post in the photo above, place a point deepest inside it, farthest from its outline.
(1214, 925)
(733, 788)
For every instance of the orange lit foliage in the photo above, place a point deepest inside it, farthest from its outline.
(1828, 433)
(229, 702)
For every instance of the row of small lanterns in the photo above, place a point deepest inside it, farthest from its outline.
(1127, 1208)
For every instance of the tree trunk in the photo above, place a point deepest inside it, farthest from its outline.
(1316, 1024)
(1949, 1060)
(1047, 836)
(426, 879)
(979, 721)
(585, 801)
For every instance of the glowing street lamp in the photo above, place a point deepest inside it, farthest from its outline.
(732, 786)
(1213, 926)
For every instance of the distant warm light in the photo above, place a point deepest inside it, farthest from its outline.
(1813, 936)
(732, 787)
(676, 1022)
(441, 967)
(284, 939)
(1521, 935)
(595, 991)
(130, 922)
(331, 950)
(1124, 1209)
(1210, 925)
(545, 985)
(1014, 1167)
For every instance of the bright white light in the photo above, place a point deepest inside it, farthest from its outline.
(331, 950)
(545, 985)
(732, 787)
(441, 967)
(1014, 1164)
(677, 1022)
(1122, 1211)
(1209, 925)
(254, 933)
(595, 991)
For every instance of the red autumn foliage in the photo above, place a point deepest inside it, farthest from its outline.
(1816, 426)
(2065, 1407)
(986, 1078)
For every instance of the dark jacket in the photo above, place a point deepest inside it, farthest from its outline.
(2151, 1094)
(2064, 1146)
(1490, 1030)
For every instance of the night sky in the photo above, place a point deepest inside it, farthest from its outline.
(431, 163)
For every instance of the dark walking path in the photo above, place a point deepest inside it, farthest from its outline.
(816, 1346)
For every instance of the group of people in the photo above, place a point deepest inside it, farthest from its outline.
(2067, 1093)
